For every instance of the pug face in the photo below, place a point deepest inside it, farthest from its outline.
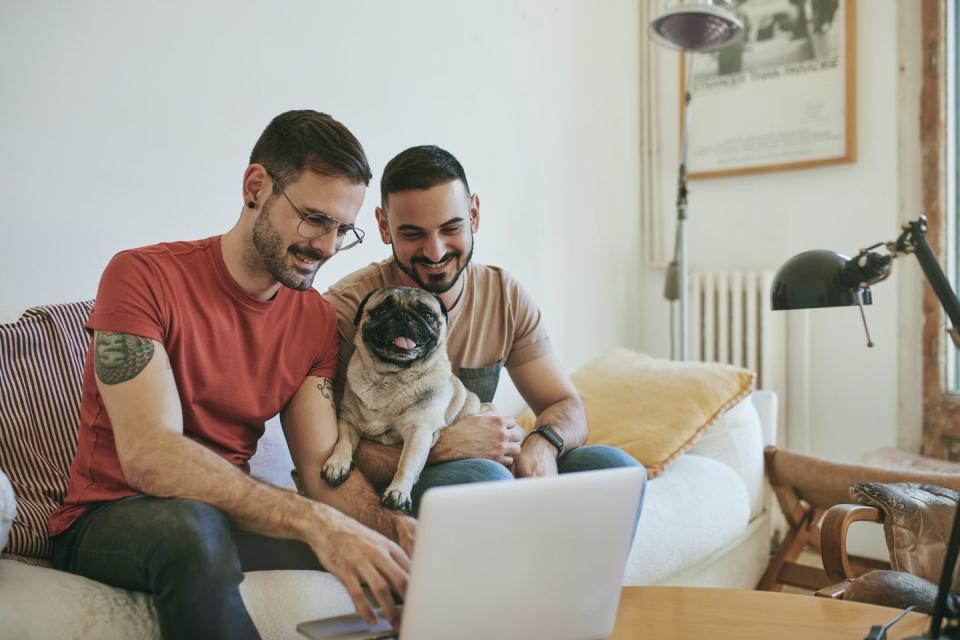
(401, 325)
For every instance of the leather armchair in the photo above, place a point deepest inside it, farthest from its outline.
(916, 518)
(807, 488)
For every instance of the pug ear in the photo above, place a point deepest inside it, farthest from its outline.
(363, 303)
(443, 307)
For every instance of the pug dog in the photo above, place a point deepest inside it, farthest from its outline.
(399, 387)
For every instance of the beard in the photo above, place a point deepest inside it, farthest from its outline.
(274, 254)
(436, 282)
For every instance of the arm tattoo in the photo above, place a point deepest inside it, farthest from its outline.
(326, 388)
(120, 356)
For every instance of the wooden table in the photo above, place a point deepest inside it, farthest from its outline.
(680, 613)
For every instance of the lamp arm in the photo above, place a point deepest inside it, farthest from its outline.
(914, 240)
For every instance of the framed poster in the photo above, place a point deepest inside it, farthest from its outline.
(782, 97)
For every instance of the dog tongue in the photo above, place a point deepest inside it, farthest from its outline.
(404, 343)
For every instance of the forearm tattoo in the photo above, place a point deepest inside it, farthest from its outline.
(120, 356)
(326, 388)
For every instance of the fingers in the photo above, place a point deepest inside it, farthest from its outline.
(386, 579)
(514, 433)
(380, 591)
(510, 445)
(511, 449)
(375, 582)
(364, 610)
(402, 559)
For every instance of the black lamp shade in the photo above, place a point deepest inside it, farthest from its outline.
(812, 279)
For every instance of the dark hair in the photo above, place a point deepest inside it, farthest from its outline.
(306, 139)
(420, 168)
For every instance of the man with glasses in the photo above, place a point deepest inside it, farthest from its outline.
(195, 345)
(428, 217)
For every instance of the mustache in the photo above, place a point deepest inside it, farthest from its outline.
(446, 256)
(309, 254)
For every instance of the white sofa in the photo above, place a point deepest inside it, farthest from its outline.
(705, 522)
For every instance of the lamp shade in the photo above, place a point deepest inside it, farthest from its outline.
(812, 279)
(697, 26)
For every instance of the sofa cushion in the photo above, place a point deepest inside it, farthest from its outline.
(693, 509)
(45, 603)
(653, 409)
(41, 365)
(736, 440)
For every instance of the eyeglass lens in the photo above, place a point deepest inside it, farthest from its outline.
(316, 227)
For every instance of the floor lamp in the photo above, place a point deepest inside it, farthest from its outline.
(694, 27)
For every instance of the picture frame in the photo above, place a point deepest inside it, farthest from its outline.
(783, 97)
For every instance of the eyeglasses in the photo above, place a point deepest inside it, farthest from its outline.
(314, 225)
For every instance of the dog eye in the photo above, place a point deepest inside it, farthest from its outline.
(429, 316)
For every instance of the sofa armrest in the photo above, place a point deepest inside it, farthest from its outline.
(766, 403)
(833, 537)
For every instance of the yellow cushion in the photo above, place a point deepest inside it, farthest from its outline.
(653, 409)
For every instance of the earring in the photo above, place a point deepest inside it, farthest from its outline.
(251, 204)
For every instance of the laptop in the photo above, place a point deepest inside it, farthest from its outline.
(532, 558)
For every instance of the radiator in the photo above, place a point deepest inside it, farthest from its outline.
(731, 322)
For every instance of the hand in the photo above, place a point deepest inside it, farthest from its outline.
(482, 435)
(537, 458)
(406, 530)
(360, 556)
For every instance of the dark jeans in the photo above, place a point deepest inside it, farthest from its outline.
(184, 553)
(586, 458)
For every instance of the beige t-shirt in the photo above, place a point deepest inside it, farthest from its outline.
(494, 323)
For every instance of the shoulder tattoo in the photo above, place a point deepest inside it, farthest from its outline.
(120, 356)
(326, 388)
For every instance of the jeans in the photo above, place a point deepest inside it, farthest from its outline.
(587, 458)
(184, 553)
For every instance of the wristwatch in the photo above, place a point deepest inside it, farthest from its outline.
(551, 436)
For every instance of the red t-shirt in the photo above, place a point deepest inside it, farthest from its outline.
(236, 361)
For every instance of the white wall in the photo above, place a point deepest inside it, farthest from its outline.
(127, 123)
(842, 397)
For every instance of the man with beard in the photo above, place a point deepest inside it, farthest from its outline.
(429, 217)
(195, 345)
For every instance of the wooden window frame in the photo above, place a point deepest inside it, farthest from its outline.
(941, 409)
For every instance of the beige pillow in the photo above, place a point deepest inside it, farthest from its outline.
(653, 409)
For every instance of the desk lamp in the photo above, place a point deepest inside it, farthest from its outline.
(825, 279)
(694, 27)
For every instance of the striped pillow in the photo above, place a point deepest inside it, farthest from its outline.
(41, 368)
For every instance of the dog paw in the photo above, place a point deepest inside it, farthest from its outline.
(335, 471)
(397, 499)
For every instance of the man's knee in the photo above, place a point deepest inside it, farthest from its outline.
(194, 533)
(467, 470)
(593, 457)
(458, 472)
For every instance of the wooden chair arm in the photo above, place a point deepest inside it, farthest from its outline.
(833, 591)
(833, 537)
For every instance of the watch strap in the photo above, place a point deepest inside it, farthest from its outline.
(550, 434)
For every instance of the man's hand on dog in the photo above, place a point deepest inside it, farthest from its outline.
(481, 435)
(360, 557)
(537, 458)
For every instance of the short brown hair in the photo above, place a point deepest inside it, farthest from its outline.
(420, 167)
(307, 139)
